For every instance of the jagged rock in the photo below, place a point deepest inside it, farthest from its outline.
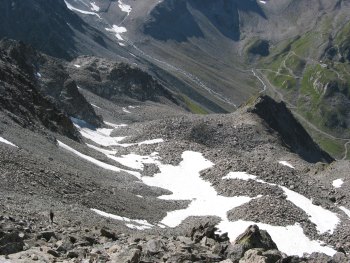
(128, 256)
(206, 241)
(72, 254)
(253, 237)
(154, 246)
(261, 256)
(279, 118)
(53, 253)
(254, 256)
(109, 234)
(179, 258)
(198, 233)
(10, 243)
(91, 240)
(47, 235)
(274, 255)
(340, 258)
(64, 246)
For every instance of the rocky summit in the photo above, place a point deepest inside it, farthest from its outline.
(174, 131)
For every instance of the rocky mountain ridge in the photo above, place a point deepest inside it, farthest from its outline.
(101, 159)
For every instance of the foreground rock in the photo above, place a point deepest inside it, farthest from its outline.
(200, 244)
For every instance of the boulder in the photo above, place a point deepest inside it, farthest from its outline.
(10, 243)
(154, 246)
(108, 233)
(252, 238)
(254, 256)
(127, 256)
(47, 235)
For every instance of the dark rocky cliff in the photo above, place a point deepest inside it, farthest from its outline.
(293, 135)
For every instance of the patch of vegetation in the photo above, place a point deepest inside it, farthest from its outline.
(282, 80)
(194, 107)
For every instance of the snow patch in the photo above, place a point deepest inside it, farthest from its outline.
(149, 142)
(338, 183)
(240, 176)
(285, 163)
(325, 220)
(125, 8)
(345, 210)
(94, 7)
(126, 111)
(97, 162)
(118, 30)
(72, 8)
(115, 125)
(95, 106)
(131, 223)
(3, 140)
(290, 239)
(134, 161)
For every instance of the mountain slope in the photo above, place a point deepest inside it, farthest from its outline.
(315, 81)
(50, 27)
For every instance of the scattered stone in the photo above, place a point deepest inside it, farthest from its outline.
(53, 253)
(109, 234)
(47, 235)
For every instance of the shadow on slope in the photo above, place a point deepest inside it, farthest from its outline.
(173, 20)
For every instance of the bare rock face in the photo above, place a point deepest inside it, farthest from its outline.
(48, 77)
(116, 81)
(252, 238)
(293, 135)
(20, 98)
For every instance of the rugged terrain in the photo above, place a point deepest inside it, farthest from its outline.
(214, 54)
(104, 156)
(134, 187)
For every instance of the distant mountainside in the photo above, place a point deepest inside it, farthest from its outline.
(51, 27)
(158, 131)
(215, 54)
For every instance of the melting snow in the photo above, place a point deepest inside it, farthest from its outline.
(338, 183)
(3, 140)
(97, 107)
(186, 184)
(126, 111)
(125, 8)
(115, 125)
(290, 239)
(285, 163)
(240, 176)
(72, 8)
(94, 7)
(118, 30)
(97, 162)
(132, 223)
(134, 161)
(345, 210)
(325, 220)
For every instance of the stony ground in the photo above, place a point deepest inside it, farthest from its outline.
(39, 176)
